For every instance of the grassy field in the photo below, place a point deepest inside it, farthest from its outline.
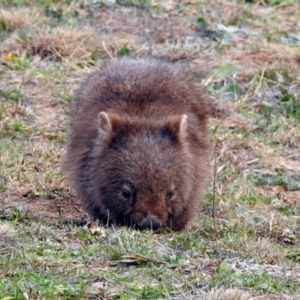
(246, 243)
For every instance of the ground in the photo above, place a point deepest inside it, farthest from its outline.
(245, 243)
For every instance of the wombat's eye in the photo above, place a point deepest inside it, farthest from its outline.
(170, 195)
(127, 194)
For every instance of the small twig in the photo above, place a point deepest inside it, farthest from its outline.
(250, 94)
(214, 187)
(260, 80)
(79, 45)
(141, 48)
(25, 176)
(271, 223)
(105, 49)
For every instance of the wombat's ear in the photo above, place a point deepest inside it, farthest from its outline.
(104, 123)
(178, 126)
(107, 124)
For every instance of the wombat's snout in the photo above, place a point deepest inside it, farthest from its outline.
(150, 222)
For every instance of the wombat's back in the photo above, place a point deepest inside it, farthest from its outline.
(143, 91)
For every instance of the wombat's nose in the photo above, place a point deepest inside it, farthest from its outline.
(150, 222)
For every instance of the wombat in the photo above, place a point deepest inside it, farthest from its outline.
(138, 152)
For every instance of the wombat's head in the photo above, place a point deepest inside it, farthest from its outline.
(142, 169)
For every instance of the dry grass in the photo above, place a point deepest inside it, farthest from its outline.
(228, 294)
(7, 230)
(16, 18)
(247, 56)
(55, 44)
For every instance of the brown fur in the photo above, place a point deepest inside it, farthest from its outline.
(138, 153)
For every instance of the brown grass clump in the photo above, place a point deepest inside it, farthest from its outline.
(65, 43)
(228, 294)
(17, 18)
(52, 44)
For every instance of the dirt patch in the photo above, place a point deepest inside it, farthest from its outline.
(231, 122)
(292, 199)
(292, 165)
(49, 210)
(256, 59)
